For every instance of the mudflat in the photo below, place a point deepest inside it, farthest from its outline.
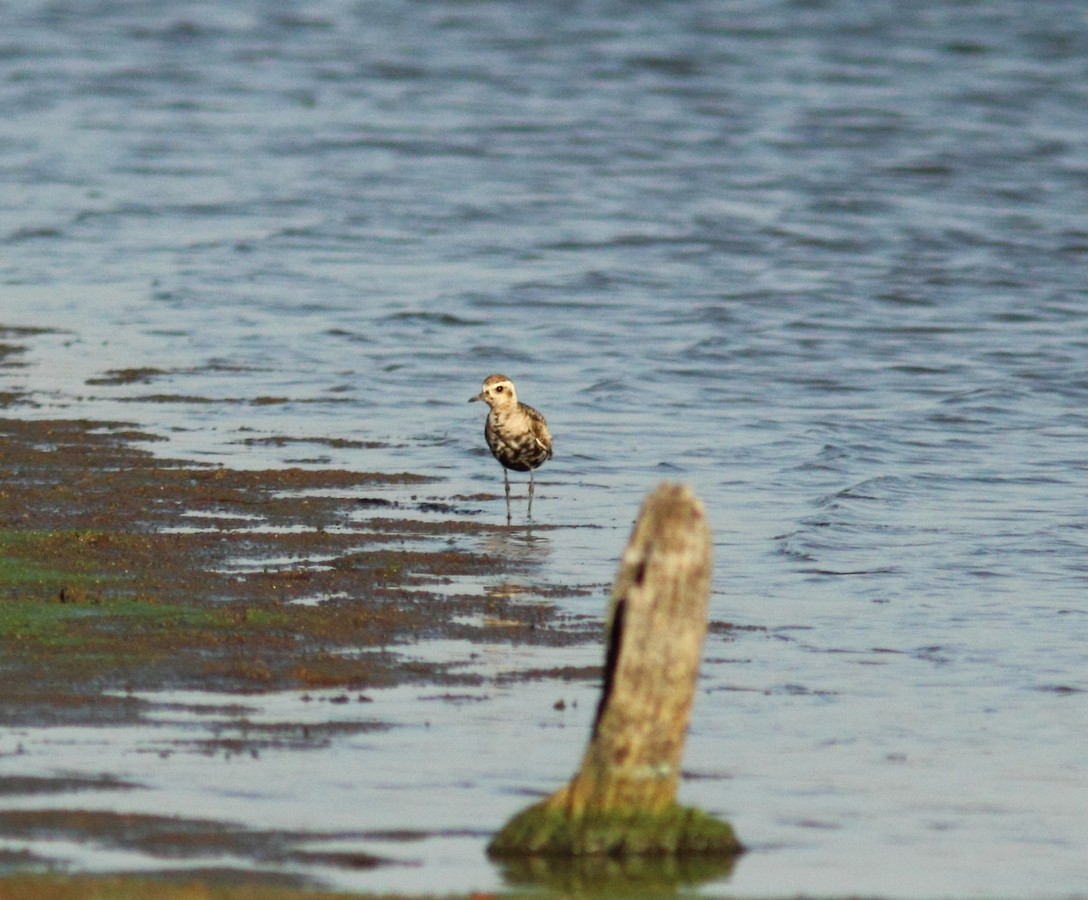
(123, 571)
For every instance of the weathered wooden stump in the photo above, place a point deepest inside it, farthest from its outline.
(622, 801)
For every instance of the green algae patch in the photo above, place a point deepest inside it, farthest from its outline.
(25, 563)
(90, 623)
(57, 590)
(20, 572)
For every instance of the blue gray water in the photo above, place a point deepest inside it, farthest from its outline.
(824, 260)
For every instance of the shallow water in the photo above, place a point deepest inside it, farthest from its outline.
(822, 260)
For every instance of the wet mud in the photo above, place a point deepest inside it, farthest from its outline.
(123, 574)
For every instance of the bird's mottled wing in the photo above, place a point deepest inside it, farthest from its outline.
(539, 429)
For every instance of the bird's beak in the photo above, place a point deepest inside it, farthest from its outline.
(479, 396)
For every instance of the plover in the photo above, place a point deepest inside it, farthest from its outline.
(517, 434)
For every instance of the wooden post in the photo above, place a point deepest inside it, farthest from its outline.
(623, 799)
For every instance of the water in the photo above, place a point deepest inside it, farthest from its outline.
(822, 260)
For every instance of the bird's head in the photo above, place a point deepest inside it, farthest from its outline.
(498, 392)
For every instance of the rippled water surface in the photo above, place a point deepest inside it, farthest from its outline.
(825, 261)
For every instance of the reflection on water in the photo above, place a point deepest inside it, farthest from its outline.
(526, 551)
(615, 877)
(526, 548)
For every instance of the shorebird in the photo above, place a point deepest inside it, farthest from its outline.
(517, 434)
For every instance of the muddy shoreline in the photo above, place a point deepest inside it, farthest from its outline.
(123, 574)
(150, 574)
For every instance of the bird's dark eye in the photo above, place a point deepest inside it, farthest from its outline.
(499, 389)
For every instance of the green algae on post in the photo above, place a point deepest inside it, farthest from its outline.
(550, 829)
(622, 801)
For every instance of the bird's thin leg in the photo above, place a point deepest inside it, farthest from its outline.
(530, 512)
(506, 483)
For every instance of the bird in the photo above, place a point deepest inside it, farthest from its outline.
(516, 433)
